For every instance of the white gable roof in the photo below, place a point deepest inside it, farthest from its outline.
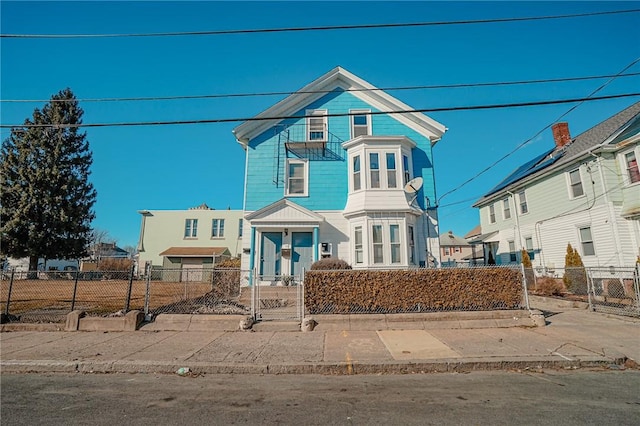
(284, 211)
(338, 78)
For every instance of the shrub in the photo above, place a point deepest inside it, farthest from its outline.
(330, 263)
(233, 262)
(547, 286)
(575, 276)
(111, 264)
(526, 260)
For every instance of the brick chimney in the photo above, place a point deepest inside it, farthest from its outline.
(561, 134)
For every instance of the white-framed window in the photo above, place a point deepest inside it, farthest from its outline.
(506, 209)
(575, 184)
(357, 184)
(631, 164)
(522, 200)
(528, 245)
(297, 178)
(374, 169)
(360, 123)
(391, 170)
(240, 228)
(412, 245)
(586, 241)
(358, 248)
(405, 169)
(217, 228)
(191, 228)
(447, 251)
(492, 213)
(378, 244)
(394, 240)
(317, 125)
(512, 252)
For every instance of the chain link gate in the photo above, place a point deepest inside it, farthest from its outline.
(277, 297)
(615, 290)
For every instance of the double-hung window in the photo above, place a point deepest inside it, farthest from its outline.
(358, 245)
(492, 213)
(191, 228)
(586, 240)
(394, 239)
(297, 177)
(412, 246)
(522, 199)
(391, 170)
(356, 173)
(360, 123)
(528, 244)
(631, 163)
(317, 125)
(374, 169)
(405, 169)
(575, 183)
(512, 252)
(378, 245)
(506, 209)
(217, 228)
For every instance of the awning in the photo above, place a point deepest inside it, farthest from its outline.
(195, 251)
(490, 237)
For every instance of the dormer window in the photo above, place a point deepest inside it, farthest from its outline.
(317, 125)
(360, 123)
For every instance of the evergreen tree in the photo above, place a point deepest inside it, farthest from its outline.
(575, 278)
(46, 199)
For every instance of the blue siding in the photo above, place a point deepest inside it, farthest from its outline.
(328, 180)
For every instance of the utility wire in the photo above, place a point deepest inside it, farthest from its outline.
(588, 98)
(346, 114)
(320, 28)
(385, 89)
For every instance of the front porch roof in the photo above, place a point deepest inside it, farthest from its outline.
(490, 237)
(284, 211)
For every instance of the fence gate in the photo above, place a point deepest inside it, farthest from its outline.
(615, 290)
(277, 297)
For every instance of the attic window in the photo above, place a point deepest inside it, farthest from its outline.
(360, 123)
(317, 125)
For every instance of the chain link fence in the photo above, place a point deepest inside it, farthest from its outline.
(606, 289)
(277, 297)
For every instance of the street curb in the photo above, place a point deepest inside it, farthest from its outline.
(339, 368)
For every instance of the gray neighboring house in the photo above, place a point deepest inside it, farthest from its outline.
(584, 191)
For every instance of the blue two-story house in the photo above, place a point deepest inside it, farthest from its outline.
(338, 169)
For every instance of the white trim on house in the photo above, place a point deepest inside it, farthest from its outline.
(339, 78)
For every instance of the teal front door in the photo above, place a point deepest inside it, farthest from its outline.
(270, 253)
(301, 252)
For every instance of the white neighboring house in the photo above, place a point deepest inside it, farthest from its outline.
(189, 238)
(22, 264)
(585, 191)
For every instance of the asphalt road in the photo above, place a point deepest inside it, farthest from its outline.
(531, 398)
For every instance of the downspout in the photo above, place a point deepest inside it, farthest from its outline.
(610, 212)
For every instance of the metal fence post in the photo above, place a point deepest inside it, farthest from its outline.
(636, 284)
(148, 270)
(254, 295)
(524, 286)
(590, 288)
(127, 303)
(75, 291)
(6, 310)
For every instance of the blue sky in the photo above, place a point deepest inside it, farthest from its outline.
(177, 167)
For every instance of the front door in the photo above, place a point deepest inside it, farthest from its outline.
(301, 252)
(270, 254)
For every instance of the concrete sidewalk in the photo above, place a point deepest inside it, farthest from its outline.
(572, 338)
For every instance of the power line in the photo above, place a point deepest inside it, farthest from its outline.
(588, 98)
(319, 28)
(346, 114)
(385, 89)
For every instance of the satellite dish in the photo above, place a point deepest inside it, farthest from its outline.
(413, 185)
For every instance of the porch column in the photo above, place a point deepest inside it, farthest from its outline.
(316, 232)
(252, 254)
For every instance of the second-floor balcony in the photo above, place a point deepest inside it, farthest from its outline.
(312, 141)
